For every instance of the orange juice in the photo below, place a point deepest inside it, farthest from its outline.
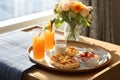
(49, 39)
(38, 47)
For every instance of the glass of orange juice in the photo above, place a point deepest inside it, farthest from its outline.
(38, 44)
(49, 39)
(49, 43)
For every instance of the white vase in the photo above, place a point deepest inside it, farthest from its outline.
(71, 32)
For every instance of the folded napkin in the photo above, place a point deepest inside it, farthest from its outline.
(13, 55)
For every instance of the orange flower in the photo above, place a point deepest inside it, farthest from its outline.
(77, 7)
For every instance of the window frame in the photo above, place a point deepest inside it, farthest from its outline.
(26, 21)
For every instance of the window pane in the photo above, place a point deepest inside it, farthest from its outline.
(15, 8)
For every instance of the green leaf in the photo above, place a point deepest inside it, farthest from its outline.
(55, 8)
(57, 22)
(85, 22)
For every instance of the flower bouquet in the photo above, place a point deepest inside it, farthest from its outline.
(74, 13)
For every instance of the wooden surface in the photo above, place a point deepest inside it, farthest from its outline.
(39, 73)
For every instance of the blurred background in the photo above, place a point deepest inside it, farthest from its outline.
(107, 14)
(16, 8)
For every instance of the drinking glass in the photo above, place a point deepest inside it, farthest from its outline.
(49, 42)
(38, 44)
(60, 44)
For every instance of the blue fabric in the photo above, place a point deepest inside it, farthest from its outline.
(13, 55)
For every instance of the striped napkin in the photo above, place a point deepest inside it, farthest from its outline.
(13, 55)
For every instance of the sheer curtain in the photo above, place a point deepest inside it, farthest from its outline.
(101, 25)
(23, 7)
(15, 8)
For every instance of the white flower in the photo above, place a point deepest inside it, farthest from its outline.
(71, 2)
(59, 8)
(66, 6)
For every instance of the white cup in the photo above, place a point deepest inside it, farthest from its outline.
(60, 46)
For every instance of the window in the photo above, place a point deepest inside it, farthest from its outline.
(16, 8)
(20, 14)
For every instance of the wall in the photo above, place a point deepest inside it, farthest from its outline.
(116, 20)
